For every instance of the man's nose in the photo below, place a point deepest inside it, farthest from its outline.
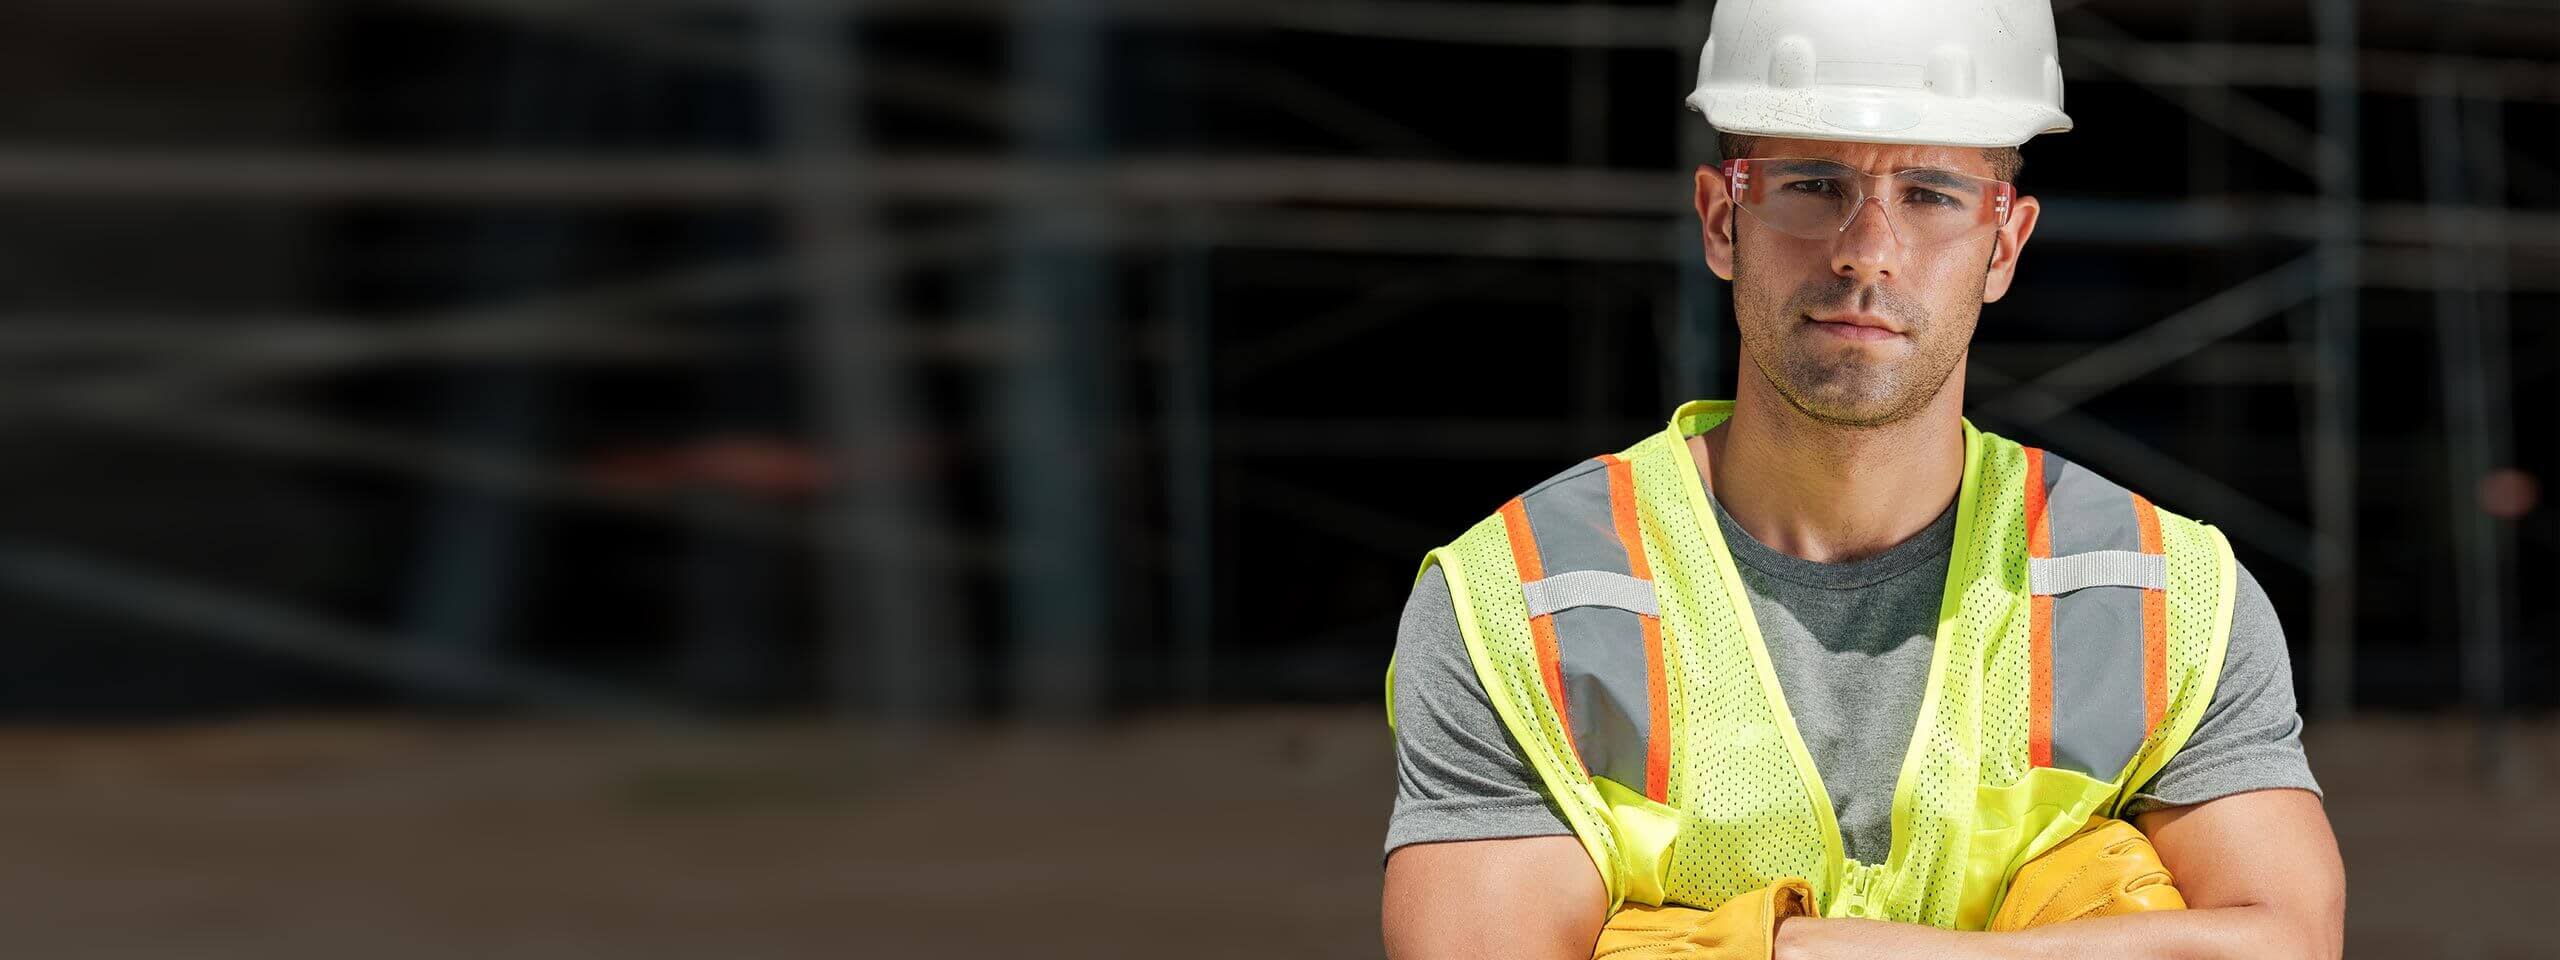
(1868, 246)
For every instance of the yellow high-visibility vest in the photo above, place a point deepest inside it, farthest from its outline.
(2079, 638)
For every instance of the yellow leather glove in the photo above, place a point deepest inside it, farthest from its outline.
(2106, 869)
(1744, 928)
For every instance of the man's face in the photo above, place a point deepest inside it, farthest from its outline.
(1858, 328)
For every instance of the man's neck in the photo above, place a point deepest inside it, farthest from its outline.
(1830, 493)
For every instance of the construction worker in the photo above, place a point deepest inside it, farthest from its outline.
(1825, 664)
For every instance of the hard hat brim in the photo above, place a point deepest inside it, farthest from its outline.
(1877, 115)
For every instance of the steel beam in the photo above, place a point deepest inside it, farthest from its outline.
(885, 621)
(2333, 462)
(225, 617)
(1054, 399)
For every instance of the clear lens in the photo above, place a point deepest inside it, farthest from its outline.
(1815, 199)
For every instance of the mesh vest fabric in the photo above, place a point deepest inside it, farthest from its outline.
(1745, 804)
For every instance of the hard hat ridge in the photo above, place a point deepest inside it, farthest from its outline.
(1947, 72)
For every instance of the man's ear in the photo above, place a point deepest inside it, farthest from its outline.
(1715, 219)
(2006, 245)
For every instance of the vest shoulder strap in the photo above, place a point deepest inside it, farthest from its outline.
(1595, 620)
(2128, 607)
(1557, 601)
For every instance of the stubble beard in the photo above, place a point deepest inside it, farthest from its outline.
(1846, 385)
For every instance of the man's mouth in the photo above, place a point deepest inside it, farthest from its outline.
(1855, 326)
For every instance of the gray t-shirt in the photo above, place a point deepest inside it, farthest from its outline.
(1851, 644)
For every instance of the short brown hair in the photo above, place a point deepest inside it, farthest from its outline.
(2005, 161)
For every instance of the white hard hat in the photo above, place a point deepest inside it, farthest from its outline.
(1975, 73)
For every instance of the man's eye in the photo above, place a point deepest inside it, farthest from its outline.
(1932, 197)
(1825, 187)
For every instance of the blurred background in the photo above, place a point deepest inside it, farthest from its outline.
(775, 478)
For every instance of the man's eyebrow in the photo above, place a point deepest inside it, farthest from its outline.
(1934, 177)
(1796, 166)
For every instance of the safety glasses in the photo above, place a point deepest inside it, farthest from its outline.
(1817, 199)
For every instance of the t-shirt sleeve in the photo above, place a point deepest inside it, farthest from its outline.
(2251, 734)
(1459, 776)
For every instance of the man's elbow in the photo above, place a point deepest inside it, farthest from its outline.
(2314, 930)
(2323, 932)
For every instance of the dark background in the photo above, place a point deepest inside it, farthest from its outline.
(873, 467)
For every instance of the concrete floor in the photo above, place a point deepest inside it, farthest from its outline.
(1235, 833)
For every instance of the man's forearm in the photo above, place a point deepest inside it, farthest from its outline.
(2253, 932)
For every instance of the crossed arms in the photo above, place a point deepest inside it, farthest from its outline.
(2260, 872)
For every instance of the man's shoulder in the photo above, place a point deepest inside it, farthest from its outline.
(2070, 481)
(1574, 486)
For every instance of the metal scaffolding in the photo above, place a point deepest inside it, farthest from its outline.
(1062, 218)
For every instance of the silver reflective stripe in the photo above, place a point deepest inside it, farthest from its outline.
(1589, 588)
(2097, 576)
(1569, 515)
(2097, 680)
(2051, 576)
(2088, 512)
(1602, 654)
(1599, 610)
